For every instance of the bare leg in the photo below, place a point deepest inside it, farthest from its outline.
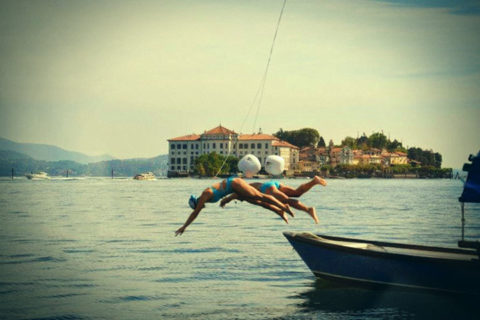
(289, 191)
(246, 191)
(271, 207)
(293, 202)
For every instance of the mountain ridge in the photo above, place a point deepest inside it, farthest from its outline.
(48, 152)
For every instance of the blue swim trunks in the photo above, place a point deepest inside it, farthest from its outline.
(267, 185)
(220, 193)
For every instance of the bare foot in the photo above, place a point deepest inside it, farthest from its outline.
(283, 216)
(290, 212)
(319, 180)
(313, 214)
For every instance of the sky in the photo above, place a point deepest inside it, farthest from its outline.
(122, 77)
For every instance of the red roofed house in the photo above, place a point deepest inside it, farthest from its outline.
(184, 150)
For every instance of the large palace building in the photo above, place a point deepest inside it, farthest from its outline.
(182, 151)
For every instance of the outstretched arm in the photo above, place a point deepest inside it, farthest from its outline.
(228, 198)
(193, 215)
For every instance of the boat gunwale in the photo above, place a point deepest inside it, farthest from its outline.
(292, 236)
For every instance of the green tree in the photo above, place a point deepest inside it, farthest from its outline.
(350, 142)
(377, 140)
(301, 138)
(210, 164)
(362, 142)
(394, 145)
(321, 143)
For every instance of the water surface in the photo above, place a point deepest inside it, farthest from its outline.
(105, 249)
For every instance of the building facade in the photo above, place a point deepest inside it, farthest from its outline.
(182, 151)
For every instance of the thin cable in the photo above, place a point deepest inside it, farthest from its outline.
(260, 90)
(268, 64)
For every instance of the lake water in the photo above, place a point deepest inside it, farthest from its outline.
(105, 249)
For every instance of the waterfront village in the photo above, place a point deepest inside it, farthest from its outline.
(329, 160)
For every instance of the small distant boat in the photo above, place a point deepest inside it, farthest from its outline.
(145, 176)
(37, 176)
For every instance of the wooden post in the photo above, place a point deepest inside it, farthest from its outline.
(67, 173)
(112, 173)
(13, 173)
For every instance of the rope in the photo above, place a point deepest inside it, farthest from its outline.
(260, 90)
(264, 79)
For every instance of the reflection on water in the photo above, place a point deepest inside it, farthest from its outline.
(361, 302)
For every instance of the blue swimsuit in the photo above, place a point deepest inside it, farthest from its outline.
(220, 193)
(267, 185)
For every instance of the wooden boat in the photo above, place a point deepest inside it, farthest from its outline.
(395, 264)
(389, 264)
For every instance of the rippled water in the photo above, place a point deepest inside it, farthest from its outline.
(105, 249)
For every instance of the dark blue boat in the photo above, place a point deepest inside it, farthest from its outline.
(394, 264)
(389, 264)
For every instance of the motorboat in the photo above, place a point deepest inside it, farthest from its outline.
(376, 263)
(145, 176)
(37, 176)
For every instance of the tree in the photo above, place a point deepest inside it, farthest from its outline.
(362, 142)
(301, 138)
(350, 142)
(394, 146)
(321, 143)
(210, 164)
(377, 140)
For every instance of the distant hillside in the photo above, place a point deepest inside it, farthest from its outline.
(125, 168)
(12, 155)
(49, 152)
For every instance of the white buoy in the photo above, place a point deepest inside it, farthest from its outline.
(274, 165)
(249, 165)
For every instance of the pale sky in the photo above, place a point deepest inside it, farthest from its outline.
(121, 77)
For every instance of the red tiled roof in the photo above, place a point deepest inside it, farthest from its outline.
(190, 137)
(219, 130)
(257, 136)
(281, 143)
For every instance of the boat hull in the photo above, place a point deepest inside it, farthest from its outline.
(389, 264)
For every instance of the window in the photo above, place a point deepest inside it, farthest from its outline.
(184, 160)
(204, 146)
(173, 146)
(172, 161)
(178, 167)
(196, 146)
(252, 146)
(184, 146)
(184, 168)
(173, 168)
(259, 146)
(266, 145)
(221, 152)
(213, 145)
(221, 145)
